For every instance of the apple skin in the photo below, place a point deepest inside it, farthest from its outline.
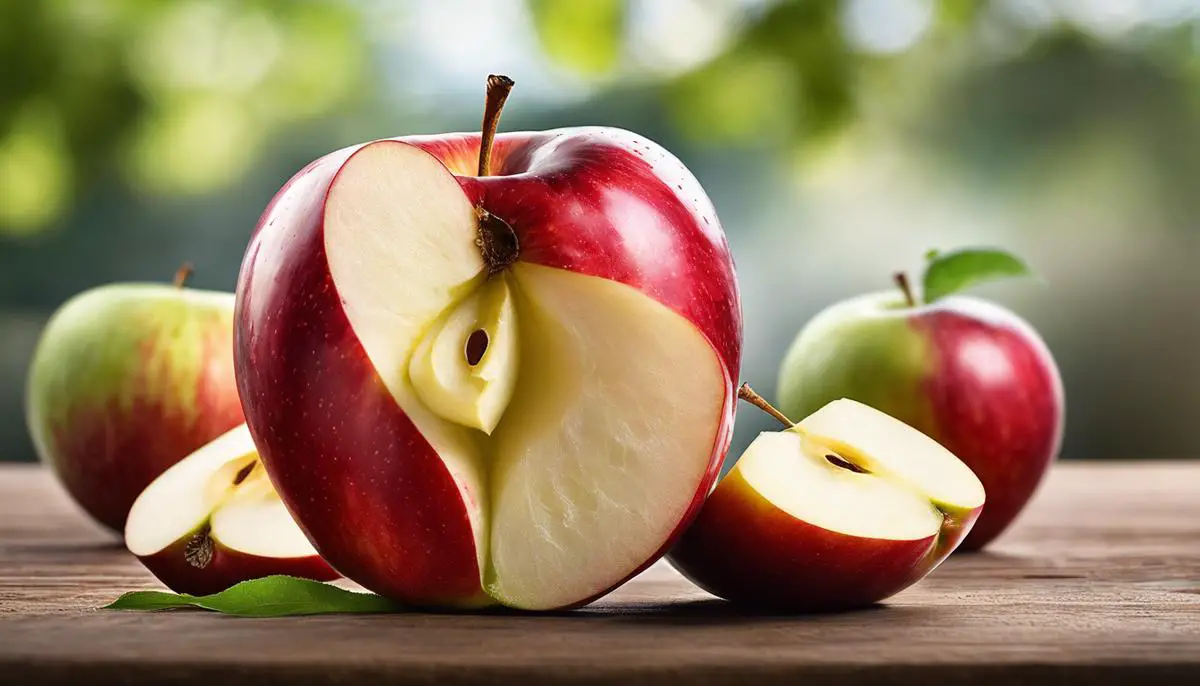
(745, 549)
(128, 379)
(362, 482)
(966, 372)
(226, 568)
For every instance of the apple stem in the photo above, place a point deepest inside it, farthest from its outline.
(182, 275)
(751, 396)
(498, 88)
(901, 280)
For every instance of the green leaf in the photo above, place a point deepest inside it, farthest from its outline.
(271, 596)
(948, 273)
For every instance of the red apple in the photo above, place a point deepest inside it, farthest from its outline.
(967, 372)
(213, 520)
(844, 509)
(510, 382)
(126, 380)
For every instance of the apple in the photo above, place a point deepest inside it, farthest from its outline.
(506, 382)
(126, 380)
(842, 510)
(213, 520)
(967, 372)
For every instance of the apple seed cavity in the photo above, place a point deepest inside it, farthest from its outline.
(477, 345)
(839, 461)
(244, 472)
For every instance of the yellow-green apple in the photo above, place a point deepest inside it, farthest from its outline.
(490, 369)
(844, 509)
(212, 520)
(969, 373)
(126, 380)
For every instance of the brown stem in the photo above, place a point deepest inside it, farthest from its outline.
(749, 395)
(901, 280)
(498, 88)
(182, 275)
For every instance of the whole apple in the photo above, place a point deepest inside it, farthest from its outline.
(969, 373)
(490, 369)
(126, 380)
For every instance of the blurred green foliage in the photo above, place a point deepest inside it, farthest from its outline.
(175, 96)
(179, 97)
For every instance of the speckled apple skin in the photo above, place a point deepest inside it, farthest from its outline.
(363, 483)
(226, 567)
(968, 373)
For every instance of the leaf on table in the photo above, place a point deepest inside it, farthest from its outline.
(271, 596)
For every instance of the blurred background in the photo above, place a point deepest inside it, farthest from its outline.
(839, 140)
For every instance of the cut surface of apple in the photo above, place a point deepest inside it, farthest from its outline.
(841, 510)
(577, 415)
(213, 519)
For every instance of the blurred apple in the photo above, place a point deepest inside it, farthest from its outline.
(969, 373)
(126, 380)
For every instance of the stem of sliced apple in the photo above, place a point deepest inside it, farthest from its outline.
(745, 392)
(901, 280)
(498, 88)
(496, 240)
(182, 275)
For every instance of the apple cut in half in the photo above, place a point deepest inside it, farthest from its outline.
(213, 520)
(512, 388)
(844, 509)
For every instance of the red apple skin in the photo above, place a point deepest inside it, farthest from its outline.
(226, 568)
(968, 373)
(746, 550)
(362, 482)
(107, 449)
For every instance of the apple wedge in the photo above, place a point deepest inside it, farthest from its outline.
(213, 520)
(844, 509)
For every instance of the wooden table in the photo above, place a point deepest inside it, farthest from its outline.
(1099, 584)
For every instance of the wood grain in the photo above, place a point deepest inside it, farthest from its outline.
(1098, 584)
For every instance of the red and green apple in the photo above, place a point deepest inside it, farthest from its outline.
(126, 380)
(967, 372)
(842, 510)
(491, 368)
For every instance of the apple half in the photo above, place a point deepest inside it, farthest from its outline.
(844, 509)
(509, 383)
(213, 520)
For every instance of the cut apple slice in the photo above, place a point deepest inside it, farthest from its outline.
(844, 509)
(213, 520)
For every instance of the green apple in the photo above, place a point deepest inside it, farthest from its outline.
(969, 373)
(126, 380)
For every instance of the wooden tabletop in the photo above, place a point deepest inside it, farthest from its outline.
(1098, 584)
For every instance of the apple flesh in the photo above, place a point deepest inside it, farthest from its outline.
(510, 387)
(213, 520)
(842, 510)
(968, 373)
(126, 380)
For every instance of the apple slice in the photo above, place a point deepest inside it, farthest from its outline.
(844, 509)
(213, 520)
